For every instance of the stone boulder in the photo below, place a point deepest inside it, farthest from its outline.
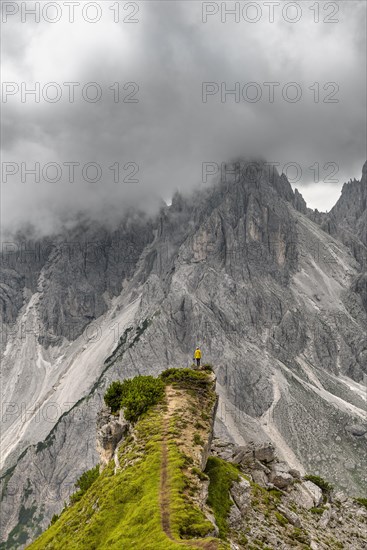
(306, 494)
(326, 517)
(223, 449)
(260, 477)
(280, 476)
(235, 518)
(248, 455)
(290, 516)
(358, 430)
(241, 495)
(315, 492)
(243, 455)
(265, 452)
(295, 473)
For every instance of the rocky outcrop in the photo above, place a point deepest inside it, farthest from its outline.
(110, 431)
(307, 495)
(347, 220)
(290, 511)
(260, 459)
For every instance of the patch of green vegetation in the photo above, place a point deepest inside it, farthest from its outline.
(275, 493)
(199, 426)
(362, 501)
(84, 483)
(243, 540)
(54, 519)
(197, 439)
(325, 487)
(299, 535)
(185, 378)
(281, 519)
(134, 395)
(222, 475)
(317, 511)
(113, 396)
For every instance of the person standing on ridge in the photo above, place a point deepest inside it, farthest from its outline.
(197, 356)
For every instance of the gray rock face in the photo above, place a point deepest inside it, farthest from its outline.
(274, 295)
(74, 274)
(110, 431)
(208, 443)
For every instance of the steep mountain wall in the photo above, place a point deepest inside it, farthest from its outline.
(275, 302)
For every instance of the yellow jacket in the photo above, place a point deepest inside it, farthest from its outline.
(197, 354)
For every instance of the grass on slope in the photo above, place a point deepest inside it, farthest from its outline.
(122, 511)
(222, 475)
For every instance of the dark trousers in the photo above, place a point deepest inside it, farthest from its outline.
(198, 362)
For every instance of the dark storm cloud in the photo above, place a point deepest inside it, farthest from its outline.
(170, 131)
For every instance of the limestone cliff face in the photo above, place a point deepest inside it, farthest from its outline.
(110, 431)
(347, 220)
(275, 298)
(350, 210)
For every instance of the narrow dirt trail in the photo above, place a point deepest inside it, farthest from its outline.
(164, 486)
(164, 496)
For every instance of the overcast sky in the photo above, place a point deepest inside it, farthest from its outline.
(162, 139)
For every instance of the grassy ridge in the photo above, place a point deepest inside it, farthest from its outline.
(118, 511)
(122, 510)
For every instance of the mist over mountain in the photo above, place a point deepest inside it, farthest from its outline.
(170, 128)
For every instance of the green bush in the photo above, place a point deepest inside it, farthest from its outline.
(113, 396)
(86, 479)
(299, 535)
(54, 519)
(140, 393)
(320, 482)
(134, 395)
(84, 482)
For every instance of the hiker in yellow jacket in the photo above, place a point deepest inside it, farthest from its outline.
(197, 356)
